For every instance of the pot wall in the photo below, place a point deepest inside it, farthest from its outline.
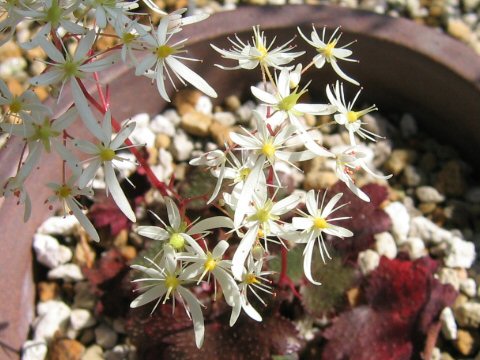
(404, 66)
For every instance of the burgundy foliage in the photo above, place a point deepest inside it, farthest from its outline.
(106, 214)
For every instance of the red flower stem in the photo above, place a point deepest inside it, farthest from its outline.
(160, 185)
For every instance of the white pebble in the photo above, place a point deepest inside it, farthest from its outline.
(122, 352)
(468, 314)
(449, 326)
(385, 245)
(164, 168)
(427, 230)
(225, 118)
(34, 350)
(204, 105)
(81, 319)
(429, 194)
(415, 247)
(52, 316)
(93, 352)
(59, 225)
(66, 272)
(12, 66)
(400, 220)
(160, 124)
(368, 261)
(172, 115)
(182, 147)
(49, 252)
(469, 287)
(143, 135)
(449, 276)
(460, 253)
(105, 336)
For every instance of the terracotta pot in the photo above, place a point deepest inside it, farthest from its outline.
(404, 67)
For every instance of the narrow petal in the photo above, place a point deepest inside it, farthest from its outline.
(173, 213)
(197, 315)
(155, 292)
(286, 205)
(83, 219)
(243, 250)
(301, 223)
(342, 74)
(263, 96)
(331, 204)
(153, 232)
(250, 311)
(211, 223)
(84, 110)
(247, 191)
(307, 261)
(117, 192)
(84, 46)
(220, 249)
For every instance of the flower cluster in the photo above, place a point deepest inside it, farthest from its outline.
(257, 216)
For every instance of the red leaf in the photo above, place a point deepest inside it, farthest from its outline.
(106, 214)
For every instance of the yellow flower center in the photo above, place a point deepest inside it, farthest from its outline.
(43, 133)
(177, 241)
(165, 51)
(210, 264)
(107, 154)
(352, 116)
(54, 14)
(171, 282)
(320, 223)
(70, 69)
(64, 191)
(263, 51)
(263, 215)
(244, 173)
(15, 106)
(328, 50)
(268, 150)
(251, 279)
(127, 38)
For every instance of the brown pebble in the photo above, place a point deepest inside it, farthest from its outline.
(185, 100)
(121, 238)
(467, 342)
(47, 290)
(152, 156)
(427, 208)
(353, 296)
(220, 133)
(162, 141)
(319, 180)
(196, 123)
(233, 103)
(450, 180)
(65, 349)
(128, 252)
(398, 159)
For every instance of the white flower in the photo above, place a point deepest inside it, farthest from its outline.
(153, 6)
(260, 53)
(110, 10)
(178, 233)
(314, 224)
(346, 116)
(67, 68)
(52, 14)
(349, 161)
(103, 155)
(164, 57)
(285, 105)
(263, 214)
(328, 52)
(214, 160)
(177, 21)
(11, 17)
(26, 103)
(66, 194)
(165, 281)
(253, 280)
(201, 264)
(129, 32)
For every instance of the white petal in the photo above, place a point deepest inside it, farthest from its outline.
(243, 250)
(122, 135)
(211, 223)
(244, 141)
(84, 46)
(311, 203)
(331, 204)
(173, 213)
(153, 232)
(338, 231)
(285, 205)
(83, 220)
(307, 261)
(161, 82)
(247, 191)
(301, 223)
(117, 192)
(229, 286)
(342, 74)
(155, 292)
(197, 315)
(190, 76)
(88, 173)
(50, 77)
(220, 249)
(193, 243)
(84, 110)
(315, 109)
(263, 96)
(250, 311)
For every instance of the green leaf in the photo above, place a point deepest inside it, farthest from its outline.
(294, 264)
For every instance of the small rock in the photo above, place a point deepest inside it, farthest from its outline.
(182, 147)
(466, 342)
(84, 297)
(34, 350)
(400, 220)
(473, 195)
(450, 180)
(128, 252)
(224, 118)
(173, 116)
(84, 254)
(412, 176)
(94, 352)
(160, 124)
(398, 159)
(428, 231)
(119, 325)
(162, 141)
(220, 133)
(196, 123)
(204, 105)
(457, 28)
(245, 113)
(408, 126)
(164, 168)
(233, 103)
(427, 208)
(122, 352)
(368, 261)
(59, 225)
(66, 349)
(385, 245)
(429, 194)
(320, 180)
(468, 314)
(105, 336)
(449, 276)
(81, 319)
(460, 253)
(67, 272)
(53, 315)
(469, 287)
(415, 247)
(449, 326)
(470, 5)
(47, 290)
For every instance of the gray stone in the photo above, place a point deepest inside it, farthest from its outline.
(105, 336)
(429, 194)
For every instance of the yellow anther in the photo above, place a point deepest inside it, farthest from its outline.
(107, 154)
(165, 51)
(210, 264)
(171, 282)
(328, 50)
(251, 279)
(244, 173)
(64, 191)
(15, 106)
(352, 116)
(268, 150)
(320, 223)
